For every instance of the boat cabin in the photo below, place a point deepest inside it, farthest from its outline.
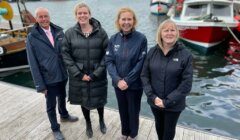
(208, 9)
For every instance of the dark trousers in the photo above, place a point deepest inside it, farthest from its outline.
(86, 113)
(56, 93)
(129, 102)
(165, 122)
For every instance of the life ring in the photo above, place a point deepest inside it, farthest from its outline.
(7, 6)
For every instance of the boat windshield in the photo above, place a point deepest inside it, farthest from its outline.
(221, 10)
(196, 10)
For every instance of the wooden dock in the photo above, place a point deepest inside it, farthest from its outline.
(23, 117)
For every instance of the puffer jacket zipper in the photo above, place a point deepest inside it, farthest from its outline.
(88, 70)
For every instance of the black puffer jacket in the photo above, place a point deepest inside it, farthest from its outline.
(85, 55)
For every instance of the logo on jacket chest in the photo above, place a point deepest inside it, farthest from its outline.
(116, 47)
(175, 59)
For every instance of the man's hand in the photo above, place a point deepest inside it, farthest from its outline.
(44, 92)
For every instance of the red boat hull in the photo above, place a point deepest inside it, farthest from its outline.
(204, 36)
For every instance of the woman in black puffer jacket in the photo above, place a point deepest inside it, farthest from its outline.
(83, 52)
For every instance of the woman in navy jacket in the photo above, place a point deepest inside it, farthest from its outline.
(167, 79)
(124, 59)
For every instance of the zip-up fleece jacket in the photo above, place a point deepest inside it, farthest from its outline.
(46, 63)
(168, 77)
(125, 57)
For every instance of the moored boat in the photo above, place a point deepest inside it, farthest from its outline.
(12, 41)
(204, 24)
(160, 7)
(12, 51)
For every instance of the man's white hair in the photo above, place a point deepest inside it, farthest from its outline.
(40, 9)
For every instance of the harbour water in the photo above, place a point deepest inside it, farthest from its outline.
(214, 102)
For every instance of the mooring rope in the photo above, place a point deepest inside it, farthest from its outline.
(232, 32)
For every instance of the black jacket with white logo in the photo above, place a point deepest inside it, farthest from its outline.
(168, 77)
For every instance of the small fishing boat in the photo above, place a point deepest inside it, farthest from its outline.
(13, 40)
(160, 7)
(204, 24)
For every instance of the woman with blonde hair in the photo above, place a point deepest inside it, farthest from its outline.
(124, 59)
(167, 79)
(83, 52)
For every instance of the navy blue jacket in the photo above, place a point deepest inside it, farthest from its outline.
(124, 58)
(168, 77)
(46, 63)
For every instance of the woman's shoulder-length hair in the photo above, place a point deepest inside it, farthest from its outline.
(123, 10)
(160, 28)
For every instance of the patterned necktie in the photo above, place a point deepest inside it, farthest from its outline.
(50, 37)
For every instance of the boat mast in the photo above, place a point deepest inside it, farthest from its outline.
(20, 12)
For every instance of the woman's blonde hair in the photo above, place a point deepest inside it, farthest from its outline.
(123, 10)
(81, 5)
(160, 28)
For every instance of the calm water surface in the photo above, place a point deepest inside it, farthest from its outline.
(214, 102)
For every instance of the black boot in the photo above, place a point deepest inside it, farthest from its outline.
(102, 126)
(89, 131)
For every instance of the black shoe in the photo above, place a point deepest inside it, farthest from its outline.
(89, 131)
(58, 135)
(102, 126)
(69, 119)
